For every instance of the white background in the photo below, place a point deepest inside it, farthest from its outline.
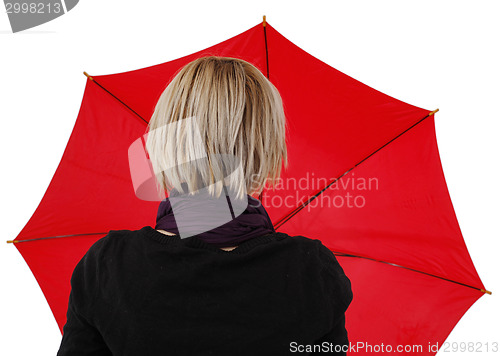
(427, 53)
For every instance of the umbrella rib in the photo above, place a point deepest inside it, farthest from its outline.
(92, 233)
(302, 205)
(265, 43)
(114, 96)
(267, 69)
(56, 237)
(342, 254)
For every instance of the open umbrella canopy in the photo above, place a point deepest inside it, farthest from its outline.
(364, 177)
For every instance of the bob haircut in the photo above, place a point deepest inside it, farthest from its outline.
(219, 123)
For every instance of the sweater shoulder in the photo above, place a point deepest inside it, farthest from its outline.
(307, 244)
(112, 240)
(310, 250)
(333, 275)
(324, 254)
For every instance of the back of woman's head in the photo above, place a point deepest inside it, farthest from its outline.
(220, 121)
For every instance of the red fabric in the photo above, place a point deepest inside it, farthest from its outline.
(406, 219)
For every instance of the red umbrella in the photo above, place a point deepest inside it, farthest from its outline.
(364, 177)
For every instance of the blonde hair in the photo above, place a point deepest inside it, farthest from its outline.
(232, 111)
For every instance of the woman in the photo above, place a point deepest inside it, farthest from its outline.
(217, 279)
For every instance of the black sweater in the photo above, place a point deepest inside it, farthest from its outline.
(144, 293)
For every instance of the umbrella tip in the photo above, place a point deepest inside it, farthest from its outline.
(88, 76)
(486, 291)
(433, 112)
(264, 20)
(11, 241)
